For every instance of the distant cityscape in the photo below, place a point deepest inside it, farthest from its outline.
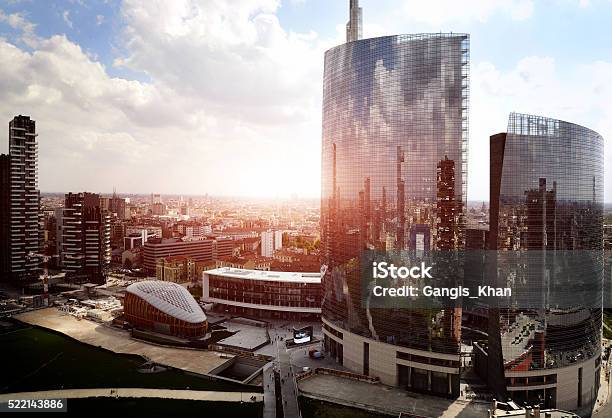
(258, 304)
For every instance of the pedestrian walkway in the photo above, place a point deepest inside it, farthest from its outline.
(289, 390)
(269, 391)
(385, 399)
(195, 395)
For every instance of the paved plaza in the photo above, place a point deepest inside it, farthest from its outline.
(385, 399)
(119, 341)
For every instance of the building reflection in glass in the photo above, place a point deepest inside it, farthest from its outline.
(546, 201)
(394, 166)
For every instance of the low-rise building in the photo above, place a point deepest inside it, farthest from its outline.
(248, 262)
(132, 258)
(268, 294)
(200, 251)
(164, 307)
(177, 269)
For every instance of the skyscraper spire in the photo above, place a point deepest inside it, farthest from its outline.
(353, 27)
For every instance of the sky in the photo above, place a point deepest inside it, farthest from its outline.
(224, 96)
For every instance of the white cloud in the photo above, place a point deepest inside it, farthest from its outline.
(99, 19)
(66, 17)
(437, 12)
(233, 101)
(536, 86)
(232, 105)
(19, 22)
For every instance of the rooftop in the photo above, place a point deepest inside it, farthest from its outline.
(170, 298)
(277, 276)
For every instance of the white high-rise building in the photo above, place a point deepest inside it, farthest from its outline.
(278, 240)
(267, 243)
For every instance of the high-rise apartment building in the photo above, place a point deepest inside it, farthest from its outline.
(267, 243)
(278, 240)
(21, 236)
(59, 234)
(116, 205)
(5, 222)
(546, 207)
(394, 167)
(85, 241)
(270, 242)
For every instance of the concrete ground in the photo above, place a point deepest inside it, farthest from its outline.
(301, 359)
(385, 399)
(246, 337)
(119, 341)
(252, 336)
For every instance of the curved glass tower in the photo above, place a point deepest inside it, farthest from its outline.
(546, 215)
(394, 165)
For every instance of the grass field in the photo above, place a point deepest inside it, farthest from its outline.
(312, 408)
(37, 359)
(164, 407)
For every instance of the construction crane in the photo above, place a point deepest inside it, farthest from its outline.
(45, 276)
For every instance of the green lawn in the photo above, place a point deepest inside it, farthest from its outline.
(164, 407)
(37, 359)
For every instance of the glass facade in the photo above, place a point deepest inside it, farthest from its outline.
(267, 293)
(394, 167)
(547, 202)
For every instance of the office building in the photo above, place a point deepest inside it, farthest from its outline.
(263, 294)
(21, 236)
(200, 251)
(224, 247)
(547, 202)
(394, 166)
(85, 240)
(146, 232)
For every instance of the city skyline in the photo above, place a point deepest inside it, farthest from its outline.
(401, 213)
(107, 93)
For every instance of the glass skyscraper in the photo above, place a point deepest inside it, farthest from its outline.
(546, 225)
(394, 167)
